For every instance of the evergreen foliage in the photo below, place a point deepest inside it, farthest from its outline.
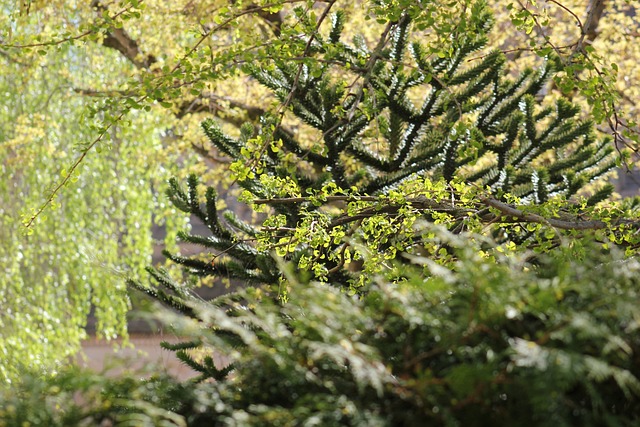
(470, 305)
(422, 138)
(449, 326)
(486, 343)
(89, 85)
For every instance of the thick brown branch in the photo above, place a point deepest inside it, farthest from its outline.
(294, 200)
(595, 11)
(102, 93)
(274, 20)
(119, 39)
(420, 203)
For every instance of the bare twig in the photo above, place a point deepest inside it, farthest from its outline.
(305, 53)
(69, 174)
(208, 156)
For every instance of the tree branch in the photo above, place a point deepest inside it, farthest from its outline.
(595, 11)
(575, 224)
(211, 103)
(120, 40)
(274, 20)
(206, 154)
(508, 213)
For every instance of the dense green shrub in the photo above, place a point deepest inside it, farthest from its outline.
(493, 342)
(74, 397)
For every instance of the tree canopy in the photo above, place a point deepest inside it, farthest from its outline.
(430, 237)
(104, 102)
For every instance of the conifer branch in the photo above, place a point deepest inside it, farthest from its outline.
(511, 132)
